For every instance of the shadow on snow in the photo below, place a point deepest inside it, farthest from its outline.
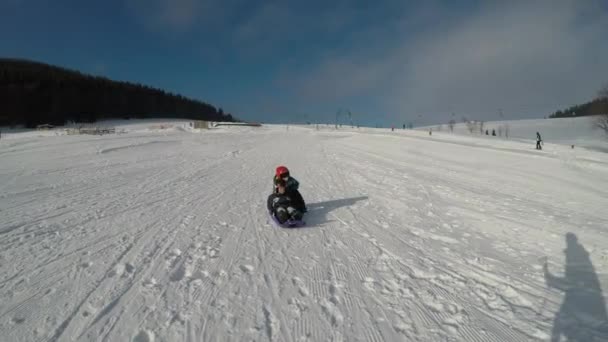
(318, 212)
(582, 315)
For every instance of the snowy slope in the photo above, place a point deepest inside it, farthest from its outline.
(162, 235)
(578, 131)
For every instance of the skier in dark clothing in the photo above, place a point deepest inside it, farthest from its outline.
(282, 205)
(292, 185)
(538, 141)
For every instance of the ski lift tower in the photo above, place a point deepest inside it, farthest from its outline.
(337, 116)
(344, 112)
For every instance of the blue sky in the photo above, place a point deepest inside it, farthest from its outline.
(388, 62)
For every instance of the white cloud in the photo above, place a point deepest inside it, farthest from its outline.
(520, 57)
(177, 15)
(526, 58)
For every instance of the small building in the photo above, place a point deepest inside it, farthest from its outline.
(44, 127)
(250, 124)
(96, 130)
(198, 124)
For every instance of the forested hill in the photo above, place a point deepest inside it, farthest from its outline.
(33, 93)
(595, 107)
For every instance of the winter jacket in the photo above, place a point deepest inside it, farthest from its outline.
(291, 190)
(291, 198)
(276, 201)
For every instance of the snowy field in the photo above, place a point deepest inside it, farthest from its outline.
(578, 131)
(162, 235)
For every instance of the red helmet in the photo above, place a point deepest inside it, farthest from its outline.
(282, 171)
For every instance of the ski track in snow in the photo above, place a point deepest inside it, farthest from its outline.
(164, 236)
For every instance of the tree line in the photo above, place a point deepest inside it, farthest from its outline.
(33, 93)
(598, 106)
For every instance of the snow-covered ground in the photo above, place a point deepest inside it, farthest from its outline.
(578, 131)
(162, 235)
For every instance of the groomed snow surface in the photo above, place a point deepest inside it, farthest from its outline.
(162, 235)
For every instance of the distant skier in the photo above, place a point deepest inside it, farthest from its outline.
(430, 131)
(281, 204)
(487, 132)
(493, 132)
(538, 141)
(292, 185)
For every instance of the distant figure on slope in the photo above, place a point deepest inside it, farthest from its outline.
(538, 141)
(281, 204)
(487, 132)
(292, 185)
(430, 131)
(493, 132)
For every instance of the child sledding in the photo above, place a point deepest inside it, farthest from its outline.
(285, 204)
(291, 185)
